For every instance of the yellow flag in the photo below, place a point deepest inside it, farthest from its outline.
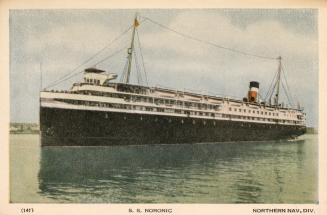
(136, 23)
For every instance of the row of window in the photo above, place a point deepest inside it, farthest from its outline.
(92, 81)
(259, 119)
(253, 111)
(136, 107)
(173, 111)
(240, 110)
(173, 102)
(157, 101)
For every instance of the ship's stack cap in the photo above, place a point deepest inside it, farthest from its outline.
(254, 84)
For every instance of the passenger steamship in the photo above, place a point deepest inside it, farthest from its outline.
(101, 111)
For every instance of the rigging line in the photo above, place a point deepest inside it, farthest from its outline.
(140, 67)
(124, 72)
(273, 88)
(89, 59)
(287, 85)
(139, 44)
(61, 80)
(110, 56)
(289, 102)
(209, 43)
(272, 92)
(139, 75)
(95, 64)
(287, 92)
(270, 87)
(137, 69)
(123, 75)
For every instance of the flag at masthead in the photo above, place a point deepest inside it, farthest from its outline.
(131, 49)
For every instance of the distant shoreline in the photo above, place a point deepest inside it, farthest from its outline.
(24, 132)
(24, 128)
(312, 130)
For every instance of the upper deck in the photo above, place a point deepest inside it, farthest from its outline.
(111, 96)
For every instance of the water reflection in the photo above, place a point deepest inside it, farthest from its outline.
(248, 189)
(198, 173)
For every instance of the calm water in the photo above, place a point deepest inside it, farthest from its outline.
(262, 172)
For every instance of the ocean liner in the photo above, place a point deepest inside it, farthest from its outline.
(101, 111)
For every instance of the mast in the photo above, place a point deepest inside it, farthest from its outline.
(40, 90)
(278, 80)
(130, 50)
(41, 78)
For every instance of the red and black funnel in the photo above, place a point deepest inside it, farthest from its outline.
(253, 91)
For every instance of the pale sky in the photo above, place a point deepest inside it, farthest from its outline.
(61, 40)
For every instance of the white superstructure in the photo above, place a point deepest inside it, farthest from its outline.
(96, 92)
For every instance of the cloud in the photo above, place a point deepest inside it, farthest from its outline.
(176, 55)
(182, 63)
(170, 60)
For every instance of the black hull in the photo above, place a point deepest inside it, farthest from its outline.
(63, 127)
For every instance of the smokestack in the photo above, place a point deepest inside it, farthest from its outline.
(253, 91)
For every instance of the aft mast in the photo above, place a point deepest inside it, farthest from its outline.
(278, 81)
(130, 50)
